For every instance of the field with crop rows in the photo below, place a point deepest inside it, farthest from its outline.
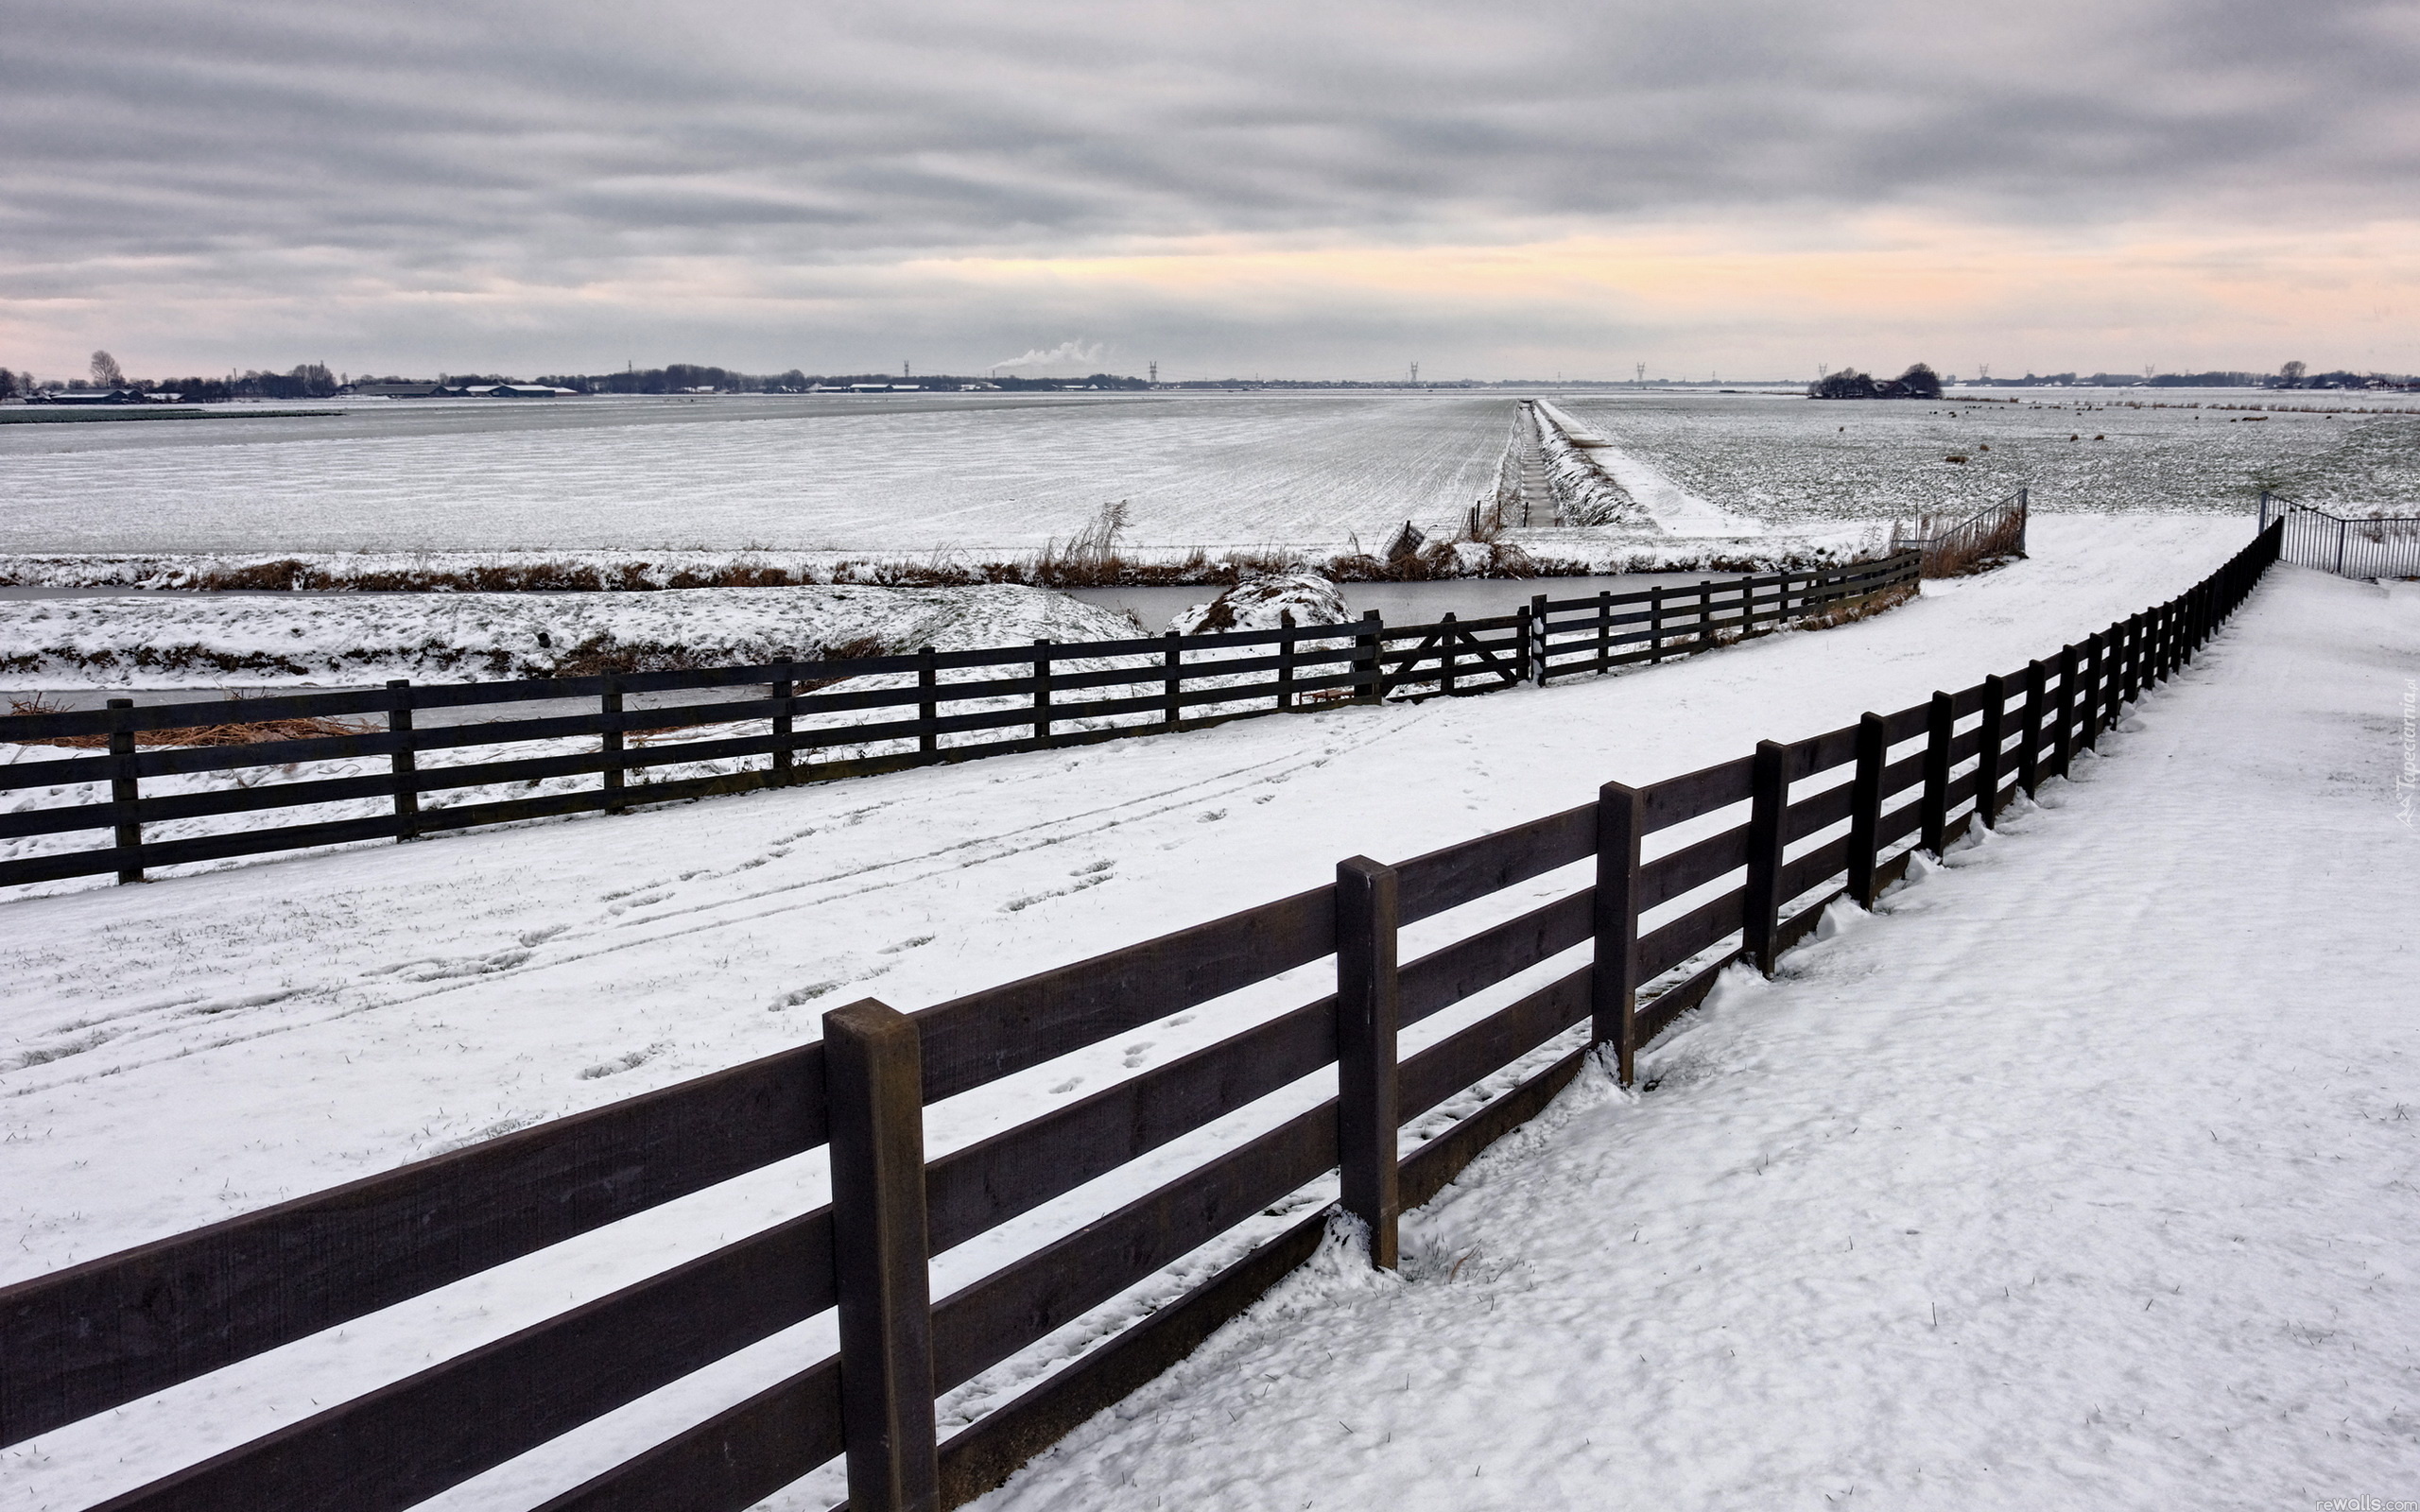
(910, 476)
(1216, 470)
(1788, 460)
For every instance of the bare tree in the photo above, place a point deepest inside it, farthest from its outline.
(2293, 372)
(105, 371)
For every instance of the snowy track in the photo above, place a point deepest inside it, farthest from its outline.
(205, 1046)
(2081, 1177)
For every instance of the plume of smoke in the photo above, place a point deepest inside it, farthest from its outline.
(1076, 353)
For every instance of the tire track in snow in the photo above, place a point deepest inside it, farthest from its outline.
(479, 970)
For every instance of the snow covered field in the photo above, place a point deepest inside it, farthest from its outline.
(1805, 463)
(910, 476)
(1221, 470)
(205, 641)
(205, 1046)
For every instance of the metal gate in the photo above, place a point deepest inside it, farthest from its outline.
(2376, 545)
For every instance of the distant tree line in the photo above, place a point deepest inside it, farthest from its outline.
(310, 380)
(682, 378)
(2292, 375)
(1918, 382)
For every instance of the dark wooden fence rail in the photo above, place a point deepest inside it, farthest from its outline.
(1794, 826)
(926, 707)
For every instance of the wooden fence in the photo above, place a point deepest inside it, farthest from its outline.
(1687, 876)
(885, 713)
(2350, 546)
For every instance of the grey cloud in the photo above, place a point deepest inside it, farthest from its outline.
(567, 143)
(940, 127)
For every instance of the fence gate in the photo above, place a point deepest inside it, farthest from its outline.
(2379, 546)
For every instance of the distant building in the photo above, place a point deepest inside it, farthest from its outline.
(87, 395)
(395, 390)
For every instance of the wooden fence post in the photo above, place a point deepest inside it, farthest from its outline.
(1286, 661)
(873, 1090)
(2096, 666)
(929, 701)
(1612, 982)
(1042, 690)
(125, 789)
(609, 743)
(403, 761)
(2028, 755)
(1935, 811)
(1993, 736)
(1654, 622)
(1367, 649)
(1366, 1013)
(2062, 737)
(1171, 681)
(1760, 903)
(1705, 614)
(2113, 641)
(1538, 628)
(1865, 808)
(784, 759)
(1446, 633)
(1522, 619)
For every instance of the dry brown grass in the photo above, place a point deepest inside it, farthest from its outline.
(235, 733)
(1850, 610)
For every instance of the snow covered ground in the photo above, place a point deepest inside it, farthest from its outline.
(269, 640)
(989, 476)
(204, 1046)
(1802, 462)
(972, 473)
(1674, 508)
(2082, 1176)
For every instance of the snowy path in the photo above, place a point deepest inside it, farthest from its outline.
(2082, 1175)
(1675, 509)
(207, 1045)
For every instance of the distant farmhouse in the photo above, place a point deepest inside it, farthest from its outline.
(95, 396)
(393, 389)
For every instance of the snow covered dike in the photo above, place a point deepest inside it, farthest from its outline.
(1693, 810)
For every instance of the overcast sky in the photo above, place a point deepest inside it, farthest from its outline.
(1298, 189)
